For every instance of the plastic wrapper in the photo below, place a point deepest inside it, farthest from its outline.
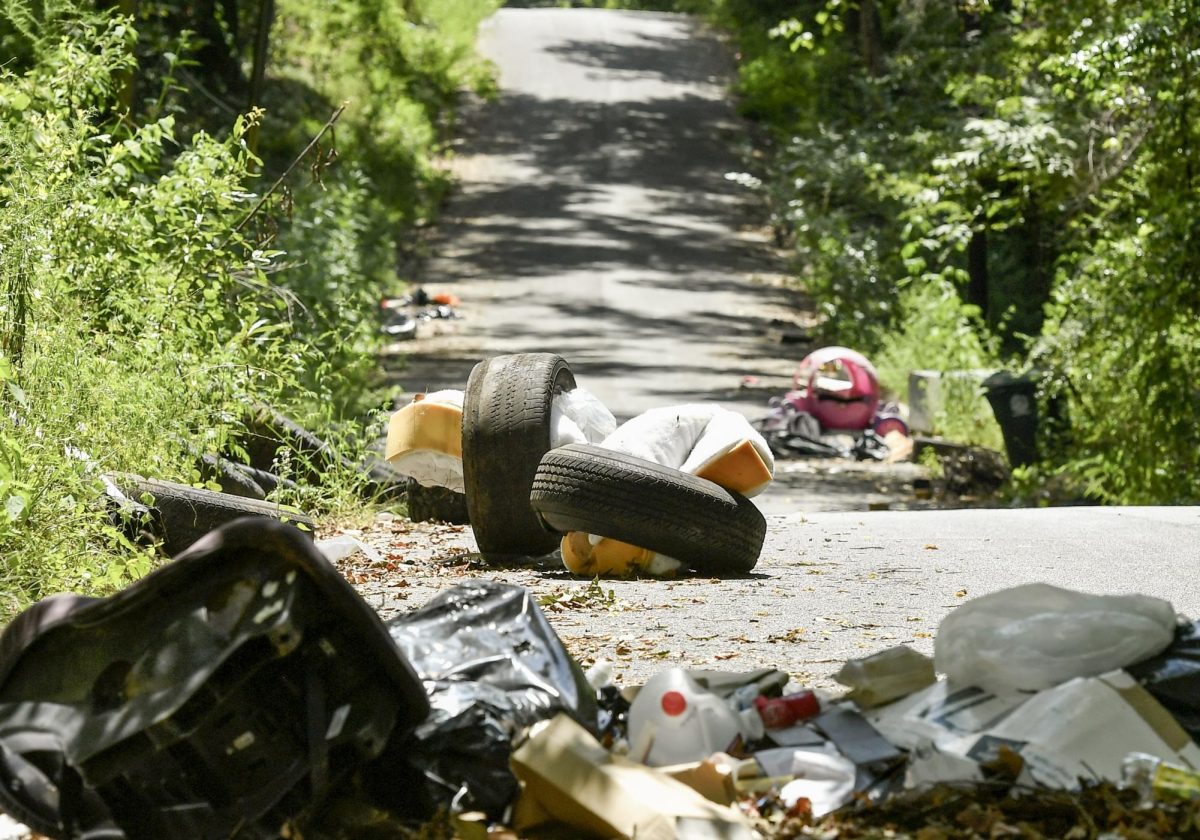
(1173, 678)
(577, 416)
(1036, 636)
(492, 666)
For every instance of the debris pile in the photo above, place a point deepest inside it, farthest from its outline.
(834, 410)
(542, 465)
(245, 690)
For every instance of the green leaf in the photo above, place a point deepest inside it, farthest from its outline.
(15, 507)
(18, 394)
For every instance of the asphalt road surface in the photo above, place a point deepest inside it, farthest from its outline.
(597, 218)
(828, 587)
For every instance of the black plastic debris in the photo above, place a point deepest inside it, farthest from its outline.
(223, 695)
(492, 665)
(1173, 677)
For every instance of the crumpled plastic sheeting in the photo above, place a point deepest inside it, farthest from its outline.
(491, 665)
(687, 437)
(1035, 636)
(431, 468)
(577, 416)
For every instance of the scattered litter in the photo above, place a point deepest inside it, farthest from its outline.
(344, 546)
(573, 779)
(492, 665)
(403, 315)
(835, 411)
(886, 676)
(673, 720)
(488, 717)
(1154, 778)
(1173, 677)
(826, 780)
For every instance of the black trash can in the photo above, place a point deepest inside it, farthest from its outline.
(1013, 399)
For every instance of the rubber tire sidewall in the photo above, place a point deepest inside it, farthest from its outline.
(188, 513)
(505, 433)
(598, 491)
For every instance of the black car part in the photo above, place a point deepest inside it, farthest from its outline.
(221, 696)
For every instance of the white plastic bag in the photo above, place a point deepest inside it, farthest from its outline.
(1035, 636)
(577, 416)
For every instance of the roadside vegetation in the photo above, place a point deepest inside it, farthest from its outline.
(995, 184)
(990, 184)
(169, 255)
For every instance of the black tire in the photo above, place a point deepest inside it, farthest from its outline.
(269, 482)
(232, 477)
(435, 504)
(506, 431)
(184, 514)
(269, 431)
(598, 491)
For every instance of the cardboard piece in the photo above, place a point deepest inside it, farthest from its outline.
(1083, 729)
(941, 713)
(574, 778)
(886, 676)
(712, 778)
(800, 735)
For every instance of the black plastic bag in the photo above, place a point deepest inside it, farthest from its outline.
(225, 694)
(492, 665)
(1173, 677)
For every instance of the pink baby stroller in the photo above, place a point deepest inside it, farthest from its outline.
(837, 386)
(835, 389)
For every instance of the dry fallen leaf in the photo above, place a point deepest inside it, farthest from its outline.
(962, 593)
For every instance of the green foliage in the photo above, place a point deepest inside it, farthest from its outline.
(995, 184)
(400, 68)
(147, 299)
(129, 314)
(399, 65)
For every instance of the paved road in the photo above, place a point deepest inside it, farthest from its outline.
(595, 218)
(829, 586)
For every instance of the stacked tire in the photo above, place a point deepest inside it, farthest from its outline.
(506, 431)
(521, 494)
(599, 491)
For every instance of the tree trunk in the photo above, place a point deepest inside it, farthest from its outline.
(870, 37)
(977, 270)
(262, 40)
(127, 80)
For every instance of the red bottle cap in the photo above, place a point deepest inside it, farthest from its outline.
(674, 703)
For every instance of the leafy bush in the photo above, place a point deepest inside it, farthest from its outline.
(148, 297)
(1000, 184)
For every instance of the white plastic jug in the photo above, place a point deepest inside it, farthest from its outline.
(673, 721)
